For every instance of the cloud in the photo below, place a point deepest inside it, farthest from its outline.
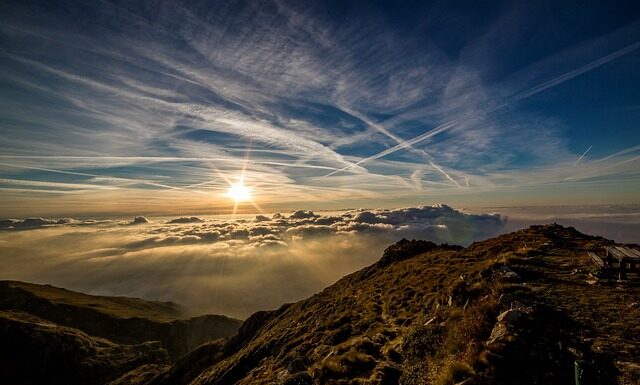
(139, 221)
(236, 267)
(34, 223)
(302, 214)
(232, 267)
(30, 223)
(439, 223)
(177, 100)
(186, 220)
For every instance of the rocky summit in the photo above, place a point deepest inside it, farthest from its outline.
(528, 307)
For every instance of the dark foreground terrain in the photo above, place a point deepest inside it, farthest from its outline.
(522, 308)
(50, 335)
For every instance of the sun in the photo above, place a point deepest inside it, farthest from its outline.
(239, 192)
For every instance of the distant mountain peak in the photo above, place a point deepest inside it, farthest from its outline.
(405, 248)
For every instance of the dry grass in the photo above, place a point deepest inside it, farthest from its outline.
(424, 319)
(118, 307)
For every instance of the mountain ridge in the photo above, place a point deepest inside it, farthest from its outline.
(123, 320)
(526, 307)
(428, 314)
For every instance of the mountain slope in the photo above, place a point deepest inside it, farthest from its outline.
(516, 309)
(119, 319)
(38, 351)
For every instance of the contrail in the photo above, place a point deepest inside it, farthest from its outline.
(402, 145)
(622, 152)
(162, 159)
(522, 95)
(440, 170)
(130, 180)
(583, 155)
(398, 140)
(578, 71)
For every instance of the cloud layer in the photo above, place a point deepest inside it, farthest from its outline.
(232, 267)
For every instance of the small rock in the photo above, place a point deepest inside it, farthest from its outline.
(507, 274)
(499, 331)
(511, 316)
(575, 352)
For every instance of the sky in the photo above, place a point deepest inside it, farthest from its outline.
(156, 107)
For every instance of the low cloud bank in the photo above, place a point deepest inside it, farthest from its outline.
(439, 223)
(232, 267)
(186, 220)
(620, 223)
(139, 221)
(34, 223)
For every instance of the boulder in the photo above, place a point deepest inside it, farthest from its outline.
(506, 274)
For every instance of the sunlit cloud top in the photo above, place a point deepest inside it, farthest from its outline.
(162, 107)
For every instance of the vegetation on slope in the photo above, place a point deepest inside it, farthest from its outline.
(515, 309)
(36, 351)
(522, 308)
(122, 320)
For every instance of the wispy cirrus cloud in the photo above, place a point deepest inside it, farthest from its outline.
(186, 97)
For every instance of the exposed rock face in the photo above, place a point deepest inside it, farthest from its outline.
(507, 326)
(507, 274)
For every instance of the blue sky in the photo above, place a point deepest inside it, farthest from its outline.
(156, 107)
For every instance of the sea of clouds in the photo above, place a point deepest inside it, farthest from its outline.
(226, 266)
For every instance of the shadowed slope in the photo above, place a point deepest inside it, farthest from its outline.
(119, 319)
(36, 351)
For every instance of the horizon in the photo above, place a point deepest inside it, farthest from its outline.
(112, 108)
(234, 144)
(319, 192)
(238, 264)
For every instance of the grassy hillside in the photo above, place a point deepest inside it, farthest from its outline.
(523, 308)
(36, 351)
(116, 307)
(516, 309)
(119, 319)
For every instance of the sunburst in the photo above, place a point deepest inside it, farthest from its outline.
(239, 192)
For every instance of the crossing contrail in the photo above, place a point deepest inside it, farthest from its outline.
(522, 95)
(399, 140)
